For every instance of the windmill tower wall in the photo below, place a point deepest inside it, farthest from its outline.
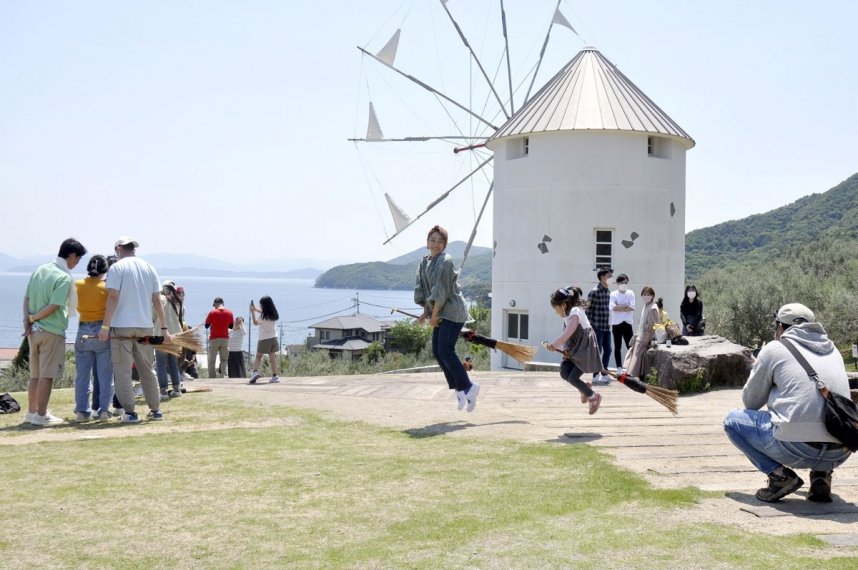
(588, 172)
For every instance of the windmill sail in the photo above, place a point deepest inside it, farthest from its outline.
(373, 129)
(400, 218)
(561, 20)
(388, 52)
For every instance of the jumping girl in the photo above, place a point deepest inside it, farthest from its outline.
(577, 343)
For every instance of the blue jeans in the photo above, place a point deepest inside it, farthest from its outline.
(603, 339)
(164, 364)
(444, 338)
(92, 355)
(752, 432)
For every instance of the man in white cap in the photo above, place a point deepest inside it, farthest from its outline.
(134, 291)
(791, 431)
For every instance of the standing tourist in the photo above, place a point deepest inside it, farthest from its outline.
(49, 301)
(91, 355)
(577, 343)
(437, 291)
(236, 366)
(599, 314)
(268, 343)
(622, 306)
(219, 321)
(168, 364)
(650, 316)
(791, 432)
(134, 291)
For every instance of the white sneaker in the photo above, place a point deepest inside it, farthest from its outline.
(28, 417)
(463, 400)
(116, 411)
(101, 416)
(601, 380)
(274, 380)
(472, 397)
(47, 420)
(81, 417)
(254, 377)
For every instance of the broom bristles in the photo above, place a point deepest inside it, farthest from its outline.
(189, 339)
(665, 397)
(520, 352)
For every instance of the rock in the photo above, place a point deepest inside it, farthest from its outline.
(705, 362)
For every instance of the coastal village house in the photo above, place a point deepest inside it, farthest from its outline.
(347, 337)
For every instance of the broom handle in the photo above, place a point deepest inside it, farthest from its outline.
(407, 314)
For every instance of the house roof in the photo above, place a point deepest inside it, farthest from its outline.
(350, 322)
(344, 344)
(590, 93)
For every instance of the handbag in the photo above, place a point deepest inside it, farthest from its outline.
(673, 330)
(841, 413)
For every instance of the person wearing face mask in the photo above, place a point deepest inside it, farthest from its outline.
(691, 312)
(634, 365)
(599, 315)
(622, 307)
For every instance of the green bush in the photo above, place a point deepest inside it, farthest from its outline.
(409, 336)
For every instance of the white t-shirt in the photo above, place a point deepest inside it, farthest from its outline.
(236, 339)
(136, 282)
(267, 329)
(617, 298)
(583, 322)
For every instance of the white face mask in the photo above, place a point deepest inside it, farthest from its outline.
(622, 288)
(691, 295)
(647, 299)
(609, 280)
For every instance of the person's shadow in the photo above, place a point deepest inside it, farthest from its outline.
(797, 505)
(450, 427)
(571, 438)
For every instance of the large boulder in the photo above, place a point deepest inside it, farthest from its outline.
(705, 362)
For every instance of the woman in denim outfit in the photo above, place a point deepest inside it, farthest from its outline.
(92, 355)
(437, 291)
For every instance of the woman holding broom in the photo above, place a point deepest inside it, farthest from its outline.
(577, 343)
(437, 290)
(650, 316)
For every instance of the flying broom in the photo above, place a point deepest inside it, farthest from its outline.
(520, 352)
(664, 396)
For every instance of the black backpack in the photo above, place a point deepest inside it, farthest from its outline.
(8, 404)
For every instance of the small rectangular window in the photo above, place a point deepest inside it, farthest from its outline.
(512, 325)
(658, 147)
(518, 148)
(604, 248)
(523, 326)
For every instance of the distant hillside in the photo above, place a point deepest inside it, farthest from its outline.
(831, 215)
(476, 277)
(454, 248)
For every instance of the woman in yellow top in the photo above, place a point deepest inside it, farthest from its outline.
(91, 354)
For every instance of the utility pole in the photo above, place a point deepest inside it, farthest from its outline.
(356, 300)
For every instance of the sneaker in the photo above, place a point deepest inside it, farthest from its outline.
(47, 420)
(138, 391)
(155, 416)
(129, 418)
(165, 397)
(274, 380)
(116, 411)
(28, 417)
(472, 397)
(594, 402)
(583, 395)
(820, 487)
(780, 486)
(176, 393)
(463, 400)
(101, 416)
(601, 380)
(82, 417)
(254, 377)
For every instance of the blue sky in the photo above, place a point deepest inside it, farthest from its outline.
(219, 128)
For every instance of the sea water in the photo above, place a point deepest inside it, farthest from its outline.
(299, 304)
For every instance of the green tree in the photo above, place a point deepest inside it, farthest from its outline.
(374, 352)
(409, 336)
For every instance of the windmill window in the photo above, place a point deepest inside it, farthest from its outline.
(604, 247)
(658, 147)
(518, 148)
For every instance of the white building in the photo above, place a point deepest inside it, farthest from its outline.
(588, 173)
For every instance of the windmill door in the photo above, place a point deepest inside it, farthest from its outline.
(517, 331)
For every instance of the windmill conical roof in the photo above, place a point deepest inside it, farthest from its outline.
(590, 93)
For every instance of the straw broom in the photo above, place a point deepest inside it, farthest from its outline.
(188, 339)
(520, 352)
(665, 397)
(156, 341)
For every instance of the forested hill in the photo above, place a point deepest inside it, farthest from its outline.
(833, 214)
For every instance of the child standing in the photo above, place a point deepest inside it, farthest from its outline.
(268, 343)
(577, 343)
(235, 361)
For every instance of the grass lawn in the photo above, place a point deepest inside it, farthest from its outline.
(221, 484)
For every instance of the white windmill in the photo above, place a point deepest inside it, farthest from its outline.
(588, 173)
